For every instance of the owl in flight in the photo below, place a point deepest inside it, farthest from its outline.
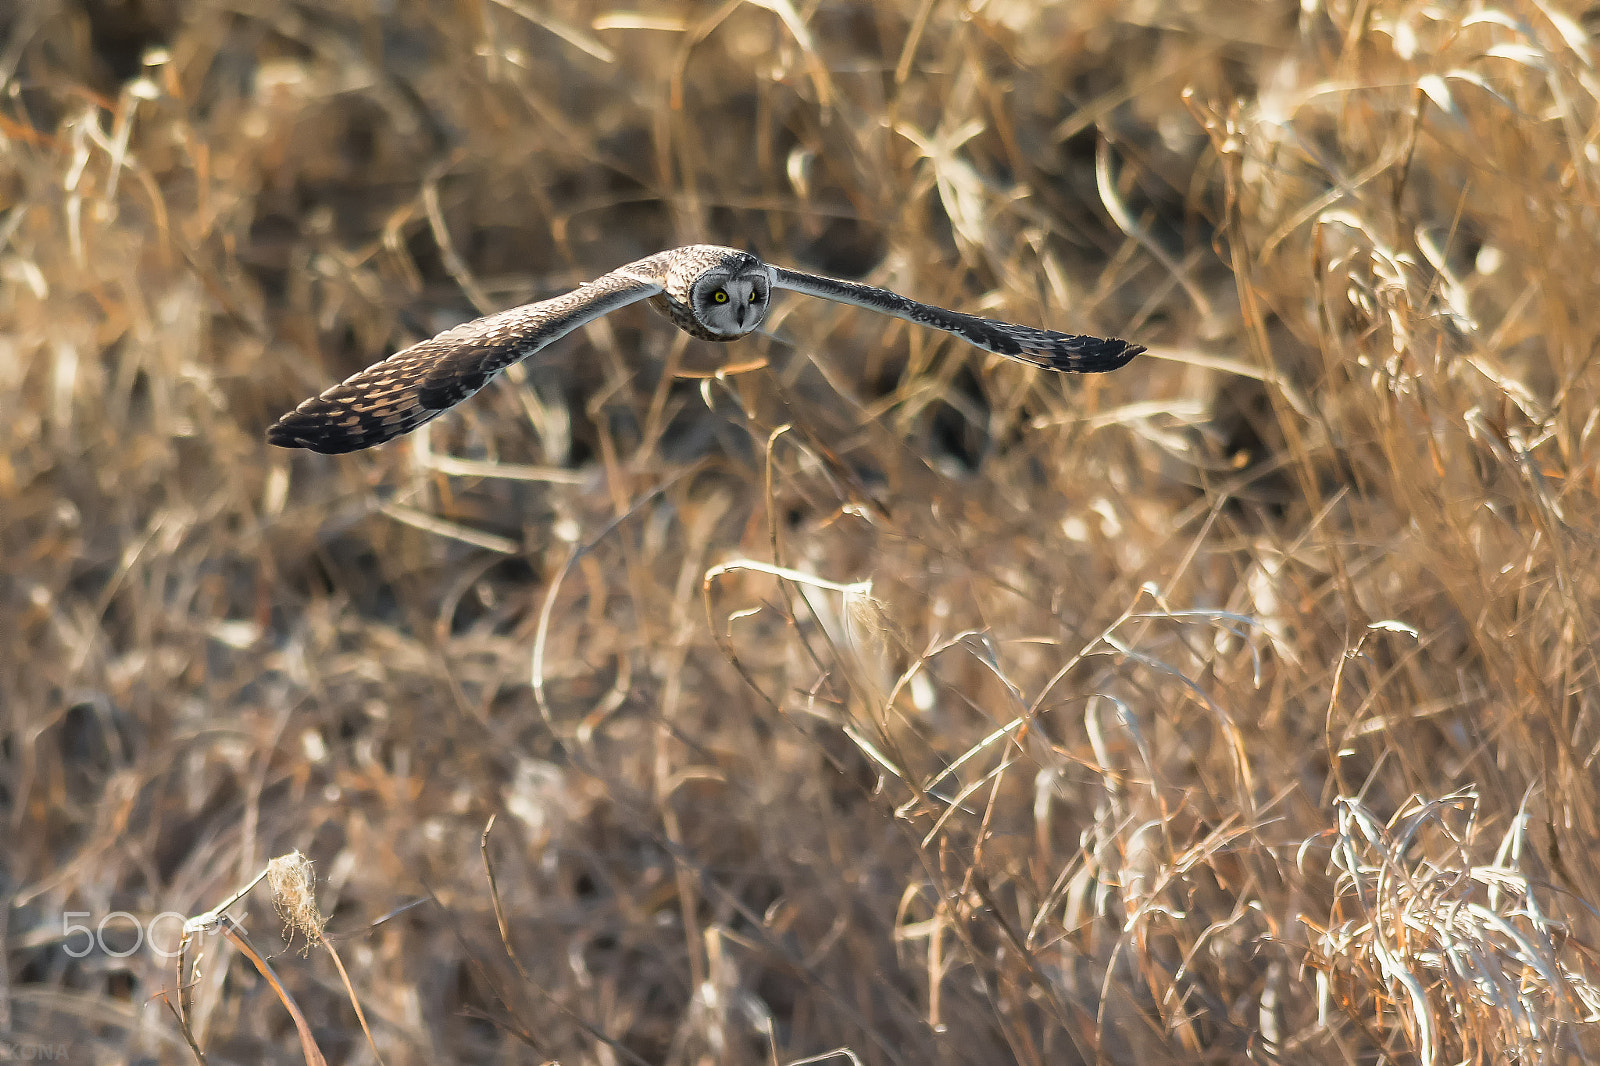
(718, 294)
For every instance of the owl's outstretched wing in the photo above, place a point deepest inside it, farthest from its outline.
(423, 381)
(1038, 347)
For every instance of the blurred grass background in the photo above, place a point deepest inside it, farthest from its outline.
(1238, 706)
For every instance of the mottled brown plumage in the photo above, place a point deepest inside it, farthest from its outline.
(714, 293)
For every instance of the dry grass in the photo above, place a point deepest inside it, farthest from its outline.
(1240, 705)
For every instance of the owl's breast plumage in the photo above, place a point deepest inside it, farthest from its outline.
(683, 317)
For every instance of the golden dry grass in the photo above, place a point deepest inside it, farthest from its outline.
(1240, 705)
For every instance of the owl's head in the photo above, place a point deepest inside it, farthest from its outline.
(730, 299)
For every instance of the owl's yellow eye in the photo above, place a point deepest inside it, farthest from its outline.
(721, 296)
(753, 296)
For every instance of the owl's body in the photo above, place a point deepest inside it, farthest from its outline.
(715, 293)
(746, 280)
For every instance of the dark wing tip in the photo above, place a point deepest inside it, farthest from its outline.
(282, 433)
(1086, 355)
(379, 404)
(1101, 354)
(335, 423)
(293, 431)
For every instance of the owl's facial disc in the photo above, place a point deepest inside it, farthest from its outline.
(732, 304)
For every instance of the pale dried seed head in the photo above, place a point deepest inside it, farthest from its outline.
(293, 881)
